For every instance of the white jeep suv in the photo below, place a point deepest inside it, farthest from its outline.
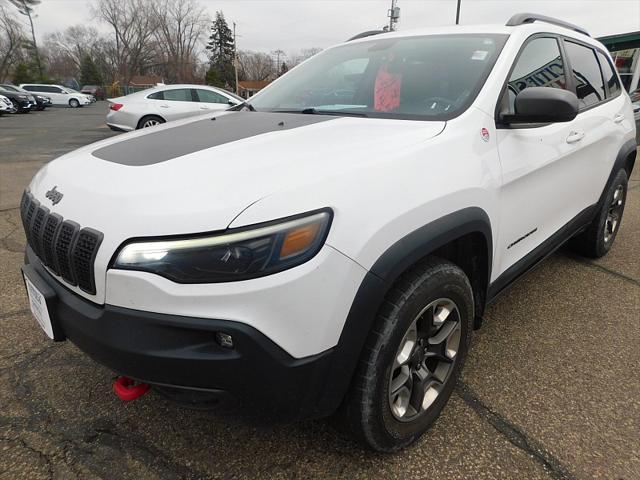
(330, 244)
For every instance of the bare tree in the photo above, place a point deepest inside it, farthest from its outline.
(133, 23)
(255, 65)
(181, 27)
(75, 42)
(11, 39)
(302, 55)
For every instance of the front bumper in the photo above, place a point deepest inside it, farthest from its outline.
(184, 352)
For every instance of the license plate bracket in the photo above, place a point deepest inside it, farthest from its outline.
(42, 303)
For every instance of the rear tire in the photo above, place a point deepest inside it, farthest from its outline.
(412, 358)
(599, 236)
(73, 103)
(149, 121)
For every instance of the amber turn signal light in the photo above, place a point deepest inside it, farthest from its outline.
(298, 240)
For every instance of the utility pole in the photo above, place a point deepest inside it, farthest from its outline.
(394, 15)
(235, 57)
(277, 53)
(458, 13)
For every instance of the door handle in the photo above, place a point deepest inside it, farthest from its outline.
(575, 137)
(164, 106)
(204, 108)
(618, 118)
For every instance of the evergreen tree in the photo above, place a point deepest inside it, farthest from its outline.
(222, 47)
(284, 68)
(89, 73)
(24, 73)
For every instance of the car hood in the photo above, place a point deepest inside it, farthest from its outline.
(199, 175)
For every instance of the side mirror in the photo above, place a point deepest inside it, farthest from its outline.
(543, 105)
(232, 103)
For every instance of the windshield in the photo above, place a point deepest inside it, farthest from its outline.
(10, 88)
(431, 77)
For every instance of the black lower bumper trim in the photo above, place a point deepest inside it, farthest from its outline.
(184, 352)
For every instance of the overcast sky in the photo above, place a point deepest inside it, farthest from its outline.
(291, 25)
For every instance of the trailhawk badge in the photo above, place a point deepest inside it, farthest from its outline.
(484, 133)
(54, 195)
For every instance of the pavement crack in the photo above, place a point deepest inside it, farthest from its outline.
(514, 435)
(42, 455)
(596, 266)
(8, 209)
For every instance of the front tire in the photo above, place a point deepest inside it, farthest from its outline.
(598, 238)
(412, 358)
(73, 103)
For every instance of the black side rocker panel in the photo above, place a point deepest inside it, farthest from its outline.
(542, 251)
(393, 262)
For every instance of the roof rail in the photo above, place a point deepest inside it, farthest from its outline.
(522, 18)
(368, 33)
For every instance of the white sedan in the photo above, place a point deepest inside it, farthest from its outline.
(166, 103)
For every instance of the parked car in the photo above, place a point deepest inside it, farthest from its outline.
(6, 106)
(22, 102)
(306, 252)
(166, 103)
(58, 94)
(41, 102)
(95, 91)
(91, 98)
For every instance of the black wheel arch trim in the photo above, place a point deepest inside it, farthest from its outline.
(385, 271)
(626, 159)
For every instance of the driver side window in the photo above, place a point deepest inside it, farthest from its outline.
(539, 65)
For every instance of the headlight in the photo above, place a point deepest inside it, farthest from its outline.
(236, 254)
(23, 96)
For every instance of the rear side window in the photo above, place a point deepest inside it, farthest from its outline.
(586, 74)
(156, 96)
(207, 96)
(29, 88)
(539, 65)
(610, 77)
(178, 95)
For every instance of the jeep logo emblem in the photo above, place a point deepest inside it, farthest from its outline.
(54, 195)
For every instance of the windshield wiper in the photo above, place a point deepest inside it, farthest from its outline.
(316, 111)
(240, 106)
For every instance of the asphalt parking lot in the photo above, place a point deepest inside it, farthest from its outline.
(551, 388)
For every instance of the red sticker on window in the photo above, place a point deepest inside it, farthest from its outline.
(386, 97)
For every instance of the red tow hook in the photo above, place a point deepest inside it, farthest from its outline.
(128, 389)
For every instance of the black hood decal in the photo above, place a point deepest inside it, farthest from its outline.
(175, 142)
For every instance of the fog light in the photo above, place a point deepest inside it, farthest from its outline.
(225, 340)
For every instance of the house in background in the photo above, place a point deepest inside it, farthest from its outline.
(248, 88)
(140, 82)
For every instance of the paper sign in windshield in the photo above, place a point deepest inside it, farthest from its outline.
(387, 91)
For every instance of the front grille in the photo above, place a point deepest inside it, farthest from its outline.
(68, 250)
